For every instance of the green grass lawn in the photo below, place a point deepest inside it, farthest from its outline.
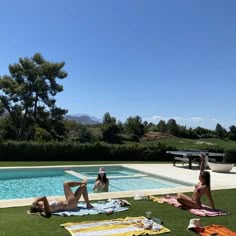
(15, 221)
(184, 143)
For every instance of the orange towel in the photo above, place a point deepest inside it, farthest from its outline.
(217, 230)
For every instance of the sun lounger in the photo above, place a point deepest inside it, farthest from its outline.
(192, 156)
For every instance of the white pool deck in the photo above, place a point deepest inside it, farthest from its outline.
(181, 173)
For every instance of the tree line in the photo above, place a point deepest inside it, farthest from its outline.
(29, 112)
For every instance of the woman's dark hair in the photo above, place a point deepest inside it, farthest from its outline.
(207, 178)
(103, 178)
(35, 208)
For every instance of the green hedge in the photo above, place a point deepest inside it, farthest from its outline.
(230, 156)
(59, 151)
(32, 151)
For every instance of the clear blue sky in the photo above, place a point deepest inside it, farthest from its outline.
(159, 59)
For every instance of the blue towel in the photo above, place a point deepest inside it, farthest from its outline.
(107, 207)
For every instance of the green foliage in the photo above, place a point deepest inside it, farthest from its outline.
(108, 119)
(2, 129)
(211, 144)
(161, 126)
(1, 108)
(230, 156)
(28, 96)
(220, 131)
(133, 126)
(172, 127)
(110, 130)
(84, 135)
(42, 135)
(55, 151)
(6, 129)
(77, 132)
(232, 132)
(110, 133)
(129, 151)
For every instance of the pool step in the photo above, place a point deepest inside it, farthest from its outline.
(127, 176)
(76, 174)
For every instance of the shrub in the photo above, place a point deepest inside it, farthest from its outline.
(230, 156)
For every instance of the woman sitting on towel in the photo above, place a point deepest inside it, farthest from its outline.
(43, 205)
(203, 187)
(102, 182)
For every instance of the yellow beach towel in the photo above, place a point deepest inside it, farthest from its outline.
(128, 226)
(155, 199)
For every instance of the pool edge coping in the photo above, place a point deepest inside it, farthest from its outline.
(107, 195)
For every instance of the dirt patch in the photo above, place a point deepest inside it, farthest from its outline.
(150, 136)
(203, 142)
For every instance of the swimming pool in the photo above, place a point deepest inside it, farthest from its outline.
(31, 182)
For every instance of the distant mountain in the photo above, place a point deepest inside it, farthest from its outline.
(91, 117)
(84, 119)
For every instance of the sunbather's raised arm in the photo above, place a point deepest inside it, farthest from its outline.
(202, 164)
(43, 208)
(208, 193)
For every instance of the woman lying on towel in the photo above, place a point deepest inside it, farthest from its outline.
(45, 206)
(203, 187)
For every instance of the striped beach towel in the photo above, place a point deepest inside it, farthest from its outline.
(128, 226)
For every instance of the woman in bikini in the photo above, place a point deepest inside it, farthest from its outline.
(45, 206)
(102, 182)
(203, 187)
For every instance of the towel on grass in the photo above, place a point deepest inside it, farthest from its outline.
(128, 226)
(217, 230)
(108, 207)
(204, 211)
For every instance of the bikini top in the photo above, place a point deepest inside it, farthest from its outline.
(199, 188)
(53, 203)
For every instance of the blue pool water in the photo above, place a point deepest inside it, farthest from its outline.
(32, 182)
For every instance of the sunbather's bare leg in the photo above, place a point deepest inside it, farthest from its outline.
(187, 201)
(69, 195)
(82, 190)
